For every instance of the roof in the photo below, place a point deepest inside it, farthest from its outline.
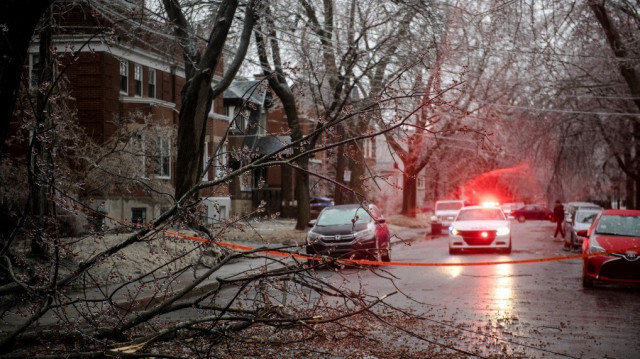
(270, 144)
(252, 91)
(480, 207)
(622, 212)
(583, 204)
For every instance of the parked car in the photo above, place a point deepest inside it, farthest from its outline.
(612, 244)
(444, 212)
(507, 208)
(533, 212)
(480, 227)
(318, 204)
(349, 231)
(578, 216)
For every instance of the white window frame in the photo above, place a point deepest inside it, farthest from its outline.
(162, 154)
(205, 161)
(124, 72)
(140, 147)
(151, 88)
(34, 59)
(421, 182)
(137, 80)
(246, 181)
(240, 120)
(220, 163)
(367, 145)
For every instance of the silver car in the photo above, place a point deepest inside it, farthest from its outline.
(579, 216)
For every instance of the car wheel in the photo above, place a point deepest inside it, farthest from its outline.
(386, 255)
(521, 219)
(508, 249)
(587, 282)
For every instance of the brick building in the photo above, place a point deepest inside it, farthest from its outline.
(129, 73)
(260, 128)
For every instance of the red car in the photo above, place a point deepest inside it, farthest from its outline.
(617, 232)
(532, 212)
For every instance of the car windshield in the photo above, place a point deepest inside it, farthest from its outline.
(586, 216)
(487, 214)
(343, 216)
(445, 206)
(619, 225)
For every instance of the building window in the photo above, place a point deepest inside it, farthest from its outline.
(34, 66)
(240, 119)
(137, 77)
(124, 76)
(162, 158)
(246, 181)
(152, 83)
(220, 162)
(421, 182)
(138, 215)
(205, 162)
(368, 148)
(138, 147)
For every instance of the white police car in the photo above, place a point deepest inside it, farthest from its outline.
(480, 227)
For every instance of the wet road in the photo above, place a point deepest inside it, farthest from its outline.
(532, 310)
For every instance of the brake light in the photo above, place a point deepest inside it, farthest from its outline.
(484, 234)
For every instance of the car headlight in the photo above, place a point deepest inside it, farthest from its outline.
(434, 218)
(502, 231)
(453, 231)
(368, 233)
(594, 247)
(312, 237)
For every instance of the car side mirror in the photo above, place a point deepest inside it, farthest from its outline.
(583, 233)
(312, 223)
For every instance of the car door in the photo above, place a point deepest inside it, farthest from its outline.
(531, 212)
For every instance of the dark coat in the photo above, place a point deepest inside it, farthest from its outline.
(558, 212)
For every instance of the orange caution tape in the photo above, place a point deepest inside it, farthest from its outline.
(370, 262)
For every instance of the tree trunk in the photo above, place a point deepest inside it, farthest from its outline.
(630, 196)
(625, 64)
(197, 96)
(278, 82)
(357, 168)
(409, 192)
(301, 176)
(341, 165)
(40, 149)
(14, 43)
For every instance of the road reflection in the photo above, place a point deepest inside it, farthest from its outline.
(494, 282)
(502, 290)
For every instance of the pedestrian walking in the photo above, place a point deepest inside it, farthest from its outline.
(558, 214)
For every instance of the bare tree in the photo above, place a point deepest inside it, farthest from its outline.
(198, 94)
(278, 82)
(16, 35)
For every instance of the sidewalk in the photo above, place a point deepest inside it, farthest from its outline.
(138, 296)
